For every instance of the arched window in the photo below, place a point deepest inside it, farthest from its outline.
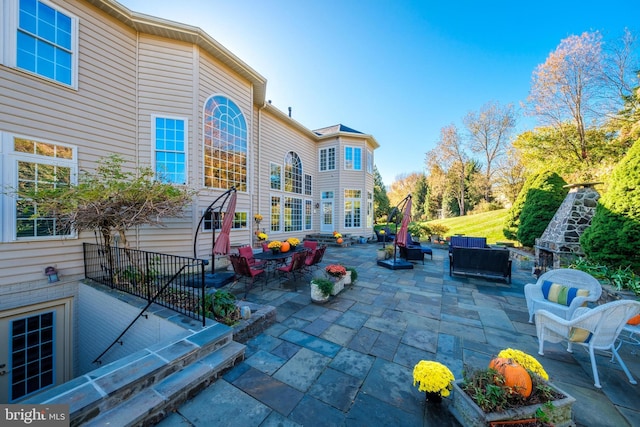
(292, 173)
(225, 144)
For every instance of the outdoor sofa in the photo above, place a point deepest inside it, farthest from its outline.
(490, 263)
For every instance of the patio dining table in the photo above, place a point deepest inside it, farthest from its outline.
(273, 260)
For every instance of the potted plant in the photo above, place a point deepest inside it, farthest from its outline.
(275, 246)
(338, 273)
(514, 387)
(435, 379)
(321, 289)
(352, 274)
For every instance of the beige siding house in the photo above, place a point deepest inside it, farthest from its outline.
(81, 80)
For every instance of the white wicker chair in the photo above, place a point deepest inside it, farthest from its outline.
(603, 322)
(567, 277)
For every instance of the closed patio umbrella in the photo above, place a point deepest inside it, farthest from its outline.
(223, 243)
(401, 236)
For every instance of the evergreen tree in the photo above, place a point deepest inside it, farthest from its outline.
(420, 194)
(512, 221)
(380, 198)
(614, 233)
(542, 201)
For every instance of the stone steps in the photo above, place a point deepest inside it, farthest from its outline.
(142, 388)
(153, 404)
(329, 240)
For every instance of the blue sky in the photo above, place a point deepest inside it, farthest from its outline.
(398, 70)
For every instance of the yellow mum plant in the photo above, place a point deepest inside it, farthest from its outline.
(257, 217)
(527, 362)
(293, 241)
(262, 236)
(274, 244)
(433, 377)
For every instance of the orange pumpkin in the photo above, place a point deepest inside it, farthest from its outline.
(515, 376)
(285, 247)
(339, 240)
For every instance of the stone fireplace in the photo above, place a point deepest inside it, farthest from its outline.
(560, 243)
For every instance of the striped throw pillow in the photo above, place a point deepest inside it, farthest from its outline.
(561, 294)
(579, 335)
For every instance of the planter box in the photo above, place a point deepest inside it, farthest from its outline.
(338, 286)
(465, 410)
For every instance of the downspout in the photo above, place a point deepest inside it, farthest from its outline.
(258, 151)
(137, 125)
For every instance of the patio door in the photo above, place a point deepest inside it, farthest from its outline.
(326, 212)
(35, 349)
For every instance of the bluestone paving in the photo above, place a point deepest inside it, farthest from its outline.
(349, 362)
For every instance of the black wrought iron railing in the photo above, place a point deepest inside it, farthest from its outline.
(171, 281)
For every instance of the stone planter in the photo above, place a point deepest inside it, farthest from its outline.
(347, 278)
(338, 285)
(382, 254)
(317, 296)
(465, 410)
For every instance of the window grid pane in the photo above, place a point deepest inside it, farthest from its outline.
(352, 211)
(276, 177)
(44, 41)
(308, 211)
(32, 343)
(170, 151)
(275, 213)
(307, 185)
(292, 214)
(225, 145)
(293, 173)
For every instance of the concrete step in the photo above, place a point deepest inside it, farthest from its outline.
(152, 404)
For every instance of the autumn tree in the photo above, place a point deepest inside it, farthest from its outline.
(403, 185)
(450, 155)
(510, 176)
(578, 88)
(420, 203)
(489, 131)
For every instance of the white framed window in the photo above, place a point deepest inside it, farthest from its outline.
(308, 214)
(275, 176)
(170, 149)
(369, 161)
(353, 158)
(225, 144)
(327, 159)
(34, 164)
(42, 39)
(276, 213)
(214, 219)
(292, 173)
(292, 214)
(352, 208)
(307, 184)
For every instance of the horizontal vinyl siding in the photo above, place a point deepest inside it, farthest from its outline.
(98, 118)
(277, 139)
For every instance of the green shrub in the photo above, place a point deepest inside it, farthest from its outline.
(512, 222)
(614, 233)
(542, 201)
(325, 285)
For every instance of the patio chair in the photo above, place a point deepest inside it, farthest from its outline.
(593, 328)
(295, 266)
(310, 244)
(247, 252)
(561, 291)
(244, 271)
(412, 244)
(314, 258)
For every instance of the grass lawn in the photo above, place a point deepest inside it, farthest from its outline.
(487, 224)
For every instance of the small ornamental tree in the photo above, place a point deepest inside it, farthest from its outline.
(543, 199)
(614, 233)
(110, 201)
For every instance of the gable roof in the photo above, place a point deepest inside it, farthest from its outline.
(342, 130)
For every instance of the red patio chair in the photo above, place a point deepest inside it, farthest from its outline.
(247, 252)
(295, 266)
(313, 260)
(310, 244)
(244, 271)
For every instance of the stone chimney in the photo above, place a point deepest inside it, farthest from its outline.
(560, 243)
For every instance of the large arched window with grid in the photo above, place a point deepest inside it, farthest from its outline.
(292, 173)
(225, 144)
